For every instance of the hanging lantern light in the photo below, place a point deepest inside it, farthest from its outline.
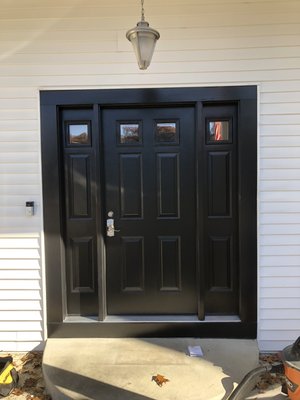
(143, 39)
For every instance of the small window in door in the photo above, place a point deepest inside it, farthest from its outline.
(129, 133)
(166, 132)
(78, 134)
(218, 131)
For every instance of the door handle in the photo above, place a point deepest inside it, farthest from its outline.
(110, 227)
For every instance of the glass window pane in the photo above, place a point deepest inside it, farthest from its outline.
(129, 133)
(218, 131)
(166, 132)
(79, 134)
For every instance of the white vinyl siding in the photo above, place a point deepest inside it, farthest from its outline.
(70, 44)
(21, 316)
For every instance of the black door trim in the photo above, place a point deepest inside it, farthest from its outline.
(51, 102)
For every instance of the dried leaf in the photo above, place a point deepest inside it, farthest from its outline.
(159, 379)
(27, 357)
(31, 382)
(269, 379)
(17, 392)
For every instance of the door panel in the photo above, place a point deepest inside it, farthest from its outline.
(150, 187)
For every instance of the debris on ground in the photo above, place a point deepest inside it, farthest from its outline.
(31, 384)
(268, 379)
(159, 379)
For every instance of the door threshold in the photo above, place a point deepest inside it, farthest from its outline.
(118, 326)
(152, 319)
(170, 318)
(80, 319)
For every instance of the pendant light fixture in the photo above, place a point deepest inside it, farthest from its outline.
(143, 39)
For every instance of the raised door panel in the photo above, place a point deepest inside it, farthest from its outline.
(133, 264)
(168, 193)
(131, 185)
(219, 184)
(79, 191)
(170, 263)
(82, 255)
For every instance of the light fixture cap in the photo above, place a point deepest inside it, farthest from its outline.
(143, 39)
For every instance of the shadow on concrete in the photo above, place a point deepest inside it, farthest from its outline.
(87, 388)
(228, 387)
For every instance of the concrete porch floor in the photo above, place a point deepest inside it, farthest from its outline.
(122, 369)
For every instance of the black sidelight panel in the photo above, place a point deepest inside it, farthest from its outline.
(221, 210)
(79, 211)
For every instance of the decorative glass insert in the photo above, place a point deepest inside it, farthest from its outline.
(166, 132)
(78, 134)
(219, 131)
(129, 133)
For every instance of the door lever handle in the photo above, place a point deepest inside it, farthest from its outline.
(110, 227)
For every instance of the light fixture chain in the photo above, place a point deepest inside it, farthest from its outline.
(143, 11)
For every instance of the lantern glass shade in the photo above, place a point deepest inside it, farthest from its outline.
(143, 39)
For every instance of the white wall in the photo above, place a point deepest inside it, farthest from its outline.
(81, 43)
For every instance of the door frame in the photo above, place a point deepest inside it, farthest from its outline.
(52, 101)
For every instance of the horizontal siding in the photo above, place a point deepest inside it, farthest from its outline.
(21, 305)
(262, 66)
(203, 43)
(282, 271)
(282, 240)
(18, 305)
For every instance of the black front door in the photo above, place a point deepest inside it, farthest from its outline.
(175, 169)
(149, 156)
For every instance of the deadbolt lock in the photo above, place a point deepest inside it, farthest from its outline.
(110, 225)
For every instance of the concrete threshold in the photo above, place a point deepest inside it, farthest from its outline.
(122, 369)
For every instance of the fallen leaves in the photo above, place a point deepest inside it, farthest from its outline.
(159, 379)
(31, 384)
(269, 379)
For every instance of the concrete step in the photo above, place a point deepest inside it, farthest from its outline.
(122, 369)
